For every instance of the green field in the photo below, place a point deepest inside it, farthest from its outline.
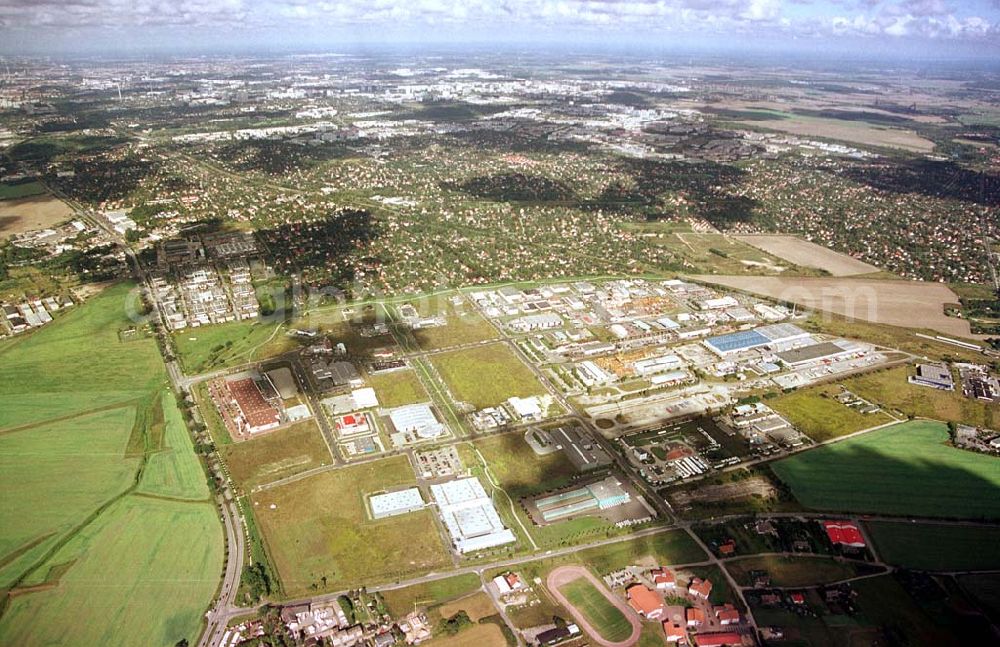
(605, 617)
(518, 469)
(818, 415)
(107, 503)
(937, 547)
(464, 325)
(207, 348)
(890, 389)
(792, 571)
(319, 528)
(23, 190)
(277, 455)
(485, 376)
(906, 469)
(401, 601)
(398, 388)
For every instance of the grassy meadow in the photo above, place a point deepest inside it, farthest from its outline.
(398, 388)
(275, 456)
(816, 413)
(936, 547)
(318, 532)
(905, 469)
(486, 376)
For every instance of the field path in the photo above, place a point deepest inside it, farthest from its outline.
(566, 574)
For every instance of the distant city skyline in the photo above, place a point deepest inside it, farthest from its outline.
(924, 29)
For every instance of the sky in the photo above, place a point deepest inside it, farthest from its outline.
(886, 28)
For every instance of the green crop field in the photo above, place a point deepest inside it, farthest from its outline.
(398, 388)
(318, 527)
(90, 440)
(605, 617)
(906, 469)
(936, 547)
(174, 470)
(23, 190)
(277, 455)
(212, 347)
(401, 601)
(791, 571)
(817, 414)
(485, 376)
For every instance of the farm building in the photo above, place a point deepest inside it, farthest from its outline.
(469, 515)
(844, 533)
(393, 503)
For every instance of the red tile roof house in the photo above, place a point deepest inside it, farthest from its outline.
(645, 602)
(728, 548)
(700, 588)
(797, 598)
(675, 632)
(695, 617)
(727, 614)
(719, 639)
(663, 579)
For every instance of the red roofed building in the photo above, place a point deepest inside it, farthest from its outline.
(719, 639)
(663, 579)
(675, 632)
(727, 614)
(797, 598)
(256, 414)
(844, 533)
(645, 602)
(727, 548)
(695, 617)
(700, 588)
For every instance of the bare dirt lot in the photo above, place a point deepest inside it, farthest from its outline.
(19, 216)
(754, 486)
(802, 252)
(910, 304)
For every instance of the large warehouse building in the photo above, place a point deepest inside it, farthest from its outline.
(595, 496)
(393, 503)
(776, 336)
(469, 515)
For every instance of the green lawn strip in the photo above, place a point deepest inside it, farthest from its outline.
(793, 571)
(906, 469)
(936, 547)
(174, 470)
(402, 601)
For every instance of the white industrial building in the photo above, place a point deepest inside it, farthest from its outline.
(468, 513)
(417, 419)
(393, 503)
(653, 365)
(526, 408)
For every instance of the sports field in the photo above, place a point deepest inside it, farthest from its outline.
(108, 506)
(906, 469)
(605, 617)
(485, 376)
(277, 455)
(937, 547)
(816, 413)
(318, 532)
